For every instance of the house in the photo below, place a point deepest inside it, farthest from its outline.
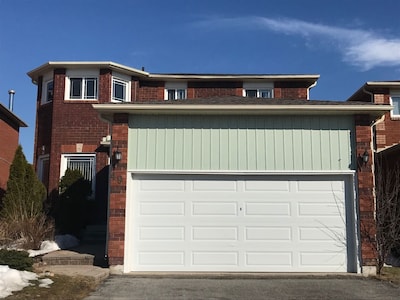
(213, 172)
(9, 133)
(387, 129)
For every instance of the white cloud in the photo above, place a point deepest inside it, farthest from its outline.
(362, 48)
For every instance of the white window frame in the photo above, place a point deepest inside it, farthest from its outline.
(90, 156)
(46, 80)
(179, 90)
(259, 88)
(125, 81)
(41, 159)
(84, 75)
(395, 94)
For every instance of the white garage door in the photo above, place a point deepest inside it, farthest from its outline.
(236, 224)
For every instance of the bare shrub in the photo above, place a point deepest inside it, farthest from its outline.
(27, 233)
(387, 188)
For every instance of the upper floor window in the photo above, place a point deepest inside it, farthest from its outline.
(120, 88)
(175, 91)
(47, 88)
(83, 88)
(395, 101)
(81, 84)
(258, 90)
(49, 91)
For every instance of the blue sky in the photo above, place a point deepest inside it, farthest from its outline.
(346, 42)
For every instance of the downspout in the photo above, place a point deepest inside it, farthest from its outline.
(309, 88)
(108, 194)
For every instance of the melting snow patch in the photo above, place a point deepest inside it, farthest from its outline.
(45, 282)
(12, 280)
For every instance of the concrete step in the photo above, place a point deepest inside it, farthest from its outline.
(65, 257)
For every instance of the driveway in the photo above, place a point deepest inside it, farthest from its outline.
(228, 288)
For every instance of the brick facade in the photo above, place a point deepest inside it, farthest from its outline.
(365, 179)
(117, 206)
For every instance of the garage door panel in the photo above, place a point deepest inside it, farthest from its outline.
(164, 185)
(215, 186)
(266, 186)
(269, 258)
(268, 209)
(321, 234)
(162, 208)
(237, 223)
(214, 233)
(161, 258)
(215, 258)
(162, 233)
(214, 208)
(268, 233)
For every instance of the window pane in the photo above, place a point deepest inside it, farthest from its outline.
(265, 94)
(251, 93)
(76, 88)
(91, 88)
(50, 91)
(171, 94)
(119, 90)
(181, 94)
(396, 105)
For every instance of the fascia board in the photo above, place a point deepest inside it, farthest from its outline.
(107, 110)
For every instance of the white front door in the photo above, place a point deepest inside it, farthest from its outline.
(236, 223)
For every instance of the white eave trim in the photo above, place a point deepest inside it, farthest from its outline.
(84, 64)
(107, 110)
(295, 77)
(383, 83)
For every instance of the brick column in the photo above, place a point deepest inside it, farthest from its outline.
(366, 197)
(116, 222)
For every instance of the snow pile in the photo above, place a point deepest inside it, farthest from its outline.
(45, 247)
(45, 282)
(65, 241)
(13, 280)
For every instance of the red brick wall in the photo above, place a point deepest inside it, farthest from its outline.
(9, 134)
(62, 124)
(365, 191)
(150, 90)
(116, 238)
(290, 90)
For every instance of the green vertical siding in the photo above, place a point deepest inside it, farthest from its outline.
(245, 143)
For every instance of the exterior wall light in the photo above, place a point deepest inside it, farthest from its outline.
(117, 156)
(365, 157)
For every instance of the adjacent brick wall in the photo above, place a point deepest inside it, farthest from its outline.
(62, 124)
(116, 238)
(9, 133)
(365, 191)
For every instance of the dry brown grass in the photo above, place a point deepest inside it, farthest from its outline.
(391, 274)
(64, 287)
(27, 233)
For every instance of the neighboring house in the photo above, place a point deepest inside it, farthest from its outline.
(387, 129)
(9, 133)
(214, 172)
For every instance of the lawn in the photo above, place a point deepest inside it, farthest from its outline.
(391, 274)
(78, 287)
(64, 287)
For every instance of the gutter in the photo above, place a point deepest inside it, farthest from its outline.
(107, 110)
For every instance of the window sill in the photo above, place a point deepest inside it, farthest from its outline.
(81, 100)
